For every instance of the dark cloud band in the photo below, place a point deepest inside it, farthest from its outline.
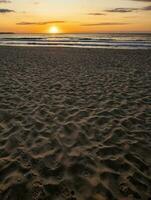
(122, 10)
(4, 10)
(38, 23)
(105, 24)
(96, 14)
(142, 0)
(127, 10)
(5, 1)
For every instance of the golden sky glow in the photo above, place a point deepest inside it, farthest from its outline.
(67, 16)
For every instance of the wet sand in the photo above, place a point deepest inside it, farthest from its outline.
(75, 124)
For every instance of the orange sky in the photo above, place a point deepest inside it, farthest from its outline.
(30, 16)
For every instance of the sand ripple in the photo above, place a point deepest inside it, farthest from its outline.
(75, 124)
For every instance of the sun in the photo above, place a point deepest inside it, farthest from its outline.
(54, 30)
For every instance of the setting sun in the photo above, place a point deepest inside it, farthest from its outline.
(54, 29)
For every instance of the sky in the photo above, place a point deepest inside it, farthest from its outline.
(75, 16)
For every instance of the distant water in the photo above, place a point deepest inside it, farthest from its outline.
(99, 40)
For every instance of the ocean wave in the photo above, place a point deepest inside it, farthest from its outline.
(79, 40)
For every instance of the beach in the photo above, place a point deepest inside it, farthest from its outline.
(75, 124)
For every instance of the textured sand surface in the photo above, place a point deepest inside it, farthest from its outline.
(75, 124)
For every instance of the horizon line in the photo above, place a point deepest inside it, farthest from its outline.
(10, 32)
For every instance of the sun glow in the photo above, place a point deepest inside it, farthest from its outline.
(54, 29)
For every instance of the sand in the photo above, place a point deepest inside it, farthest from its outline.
(75, 124)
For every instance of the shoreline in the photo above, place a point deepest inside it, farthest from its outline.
(84, 48)
(79, 47)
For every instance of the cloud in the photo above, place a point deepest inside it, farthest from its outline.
(96, 14)
(4, 10)
(105, 24)
(38, 23)
(36, 2)
(142, 0)
(127, 10)
(121, 10)
(147, 8)
(5, 1)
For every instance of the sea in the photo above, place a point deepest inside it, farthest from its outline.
(98, 40)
